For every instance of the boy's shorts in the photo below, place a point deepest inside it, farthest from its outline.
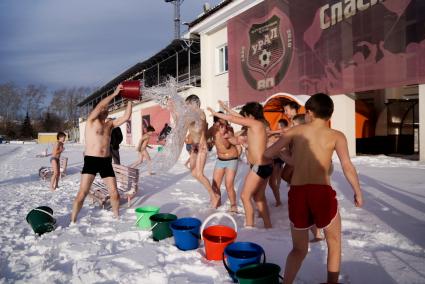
(312, 204)
(227, 164)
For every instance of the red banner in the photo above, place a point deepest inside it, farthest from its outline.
(336, 47)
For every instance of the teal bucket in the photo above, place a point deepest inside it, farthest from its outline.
(143, 214)
(41, 220)
(261, 273)
(161, 225)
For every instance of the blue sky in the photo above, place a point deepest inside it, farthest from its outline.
(61, 43)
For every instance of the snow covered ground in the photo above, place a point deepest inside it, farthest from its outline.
(383, 242)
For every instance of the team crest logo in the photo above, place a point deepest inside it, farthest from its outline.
(266, 59)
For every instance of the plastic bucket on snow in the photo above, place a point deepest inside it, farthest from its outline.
(240, 254)
(131, 90)
(186, 233)
(161, 225)
(260, 273)
(41, 220)
(143, 214)
(217, 237)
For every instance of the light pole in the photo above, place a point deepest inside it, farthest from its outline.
(176, 4)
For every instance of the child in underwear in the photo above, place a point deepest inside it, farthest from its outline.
(254, 187)
(311, 199)
(141, 149)
(55, 160)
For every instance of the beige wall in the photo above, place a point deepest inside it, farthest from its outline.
(215, 86)
(343, 119)
(422, 122)
(82, 128)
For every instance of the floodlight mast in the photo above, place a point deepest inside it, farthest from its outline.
(176, 4)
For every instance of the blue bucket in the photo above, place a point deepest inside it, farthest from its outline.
(186, 233)
(240, 254)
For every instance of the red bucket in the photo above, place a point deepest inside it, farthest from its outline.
(131, 90)
(217, 237)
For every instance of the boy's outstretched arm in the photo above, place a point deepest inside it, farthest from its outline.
(348, 168)
(234, 119)
(274, 150)
(227, 109)
(127, 114)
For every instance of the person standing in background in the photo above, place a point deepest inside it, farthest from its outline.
(116, 139)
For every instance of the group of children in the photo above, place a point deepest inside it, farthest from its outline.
(305, 147)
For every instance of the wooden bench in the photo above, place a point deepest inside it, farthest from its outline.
(46, 172)
(127, 185)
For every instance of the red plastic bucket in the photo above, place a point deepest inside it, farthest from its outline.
(131, 90)
(217, 237)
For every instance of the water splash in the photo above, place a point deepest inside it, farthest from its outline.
(167, 97)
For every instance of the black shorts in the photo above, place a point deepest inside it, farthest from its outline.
(278, 162)
(263, 171)
(101, 165)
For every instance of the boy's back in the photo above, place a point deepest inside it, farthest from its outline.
(311, 199)
(312, 148)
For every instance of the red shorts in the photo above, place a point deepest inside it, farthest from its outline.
(312, 204)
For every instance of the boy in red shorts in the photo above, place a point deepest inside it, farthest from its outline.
(311, 199)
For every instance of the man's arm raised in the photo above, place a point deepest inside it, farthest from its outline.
(103, 104)
(127, 114)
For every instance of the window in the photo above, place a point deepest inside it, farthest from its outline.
(222, 59)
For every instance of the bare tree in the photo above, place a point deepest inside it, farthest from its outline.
(10, 105)
(33, 98)
(64, 103)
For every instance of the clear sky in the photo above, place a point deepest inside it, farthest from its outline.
(65, 43)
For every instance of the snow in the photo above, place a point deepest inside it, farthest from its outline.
(383, 242)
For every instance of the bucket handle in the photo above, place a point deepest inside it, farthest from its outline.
(138, 219)
(218, 214)
(151, 228)
(233, 273)
(41, 210)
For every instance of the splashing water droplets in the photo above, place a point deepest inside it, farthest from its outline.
(182, 115)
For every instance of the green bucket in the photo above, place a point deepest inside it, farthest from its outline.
(161, 225)
(41, 220)
(143, 214)
(259, 273)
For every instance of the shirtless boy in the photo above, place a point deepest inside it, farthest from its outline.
(199, 150)
(141, 149)
(97, 157)
(275, 178)
(227, 162)
(291, 110)
(55, 160)
(254, 187)
(311, 199)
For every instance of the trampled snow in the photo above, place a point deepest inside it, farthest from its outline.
(383, 242)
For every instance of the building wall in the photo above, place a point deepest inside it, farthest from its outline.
(46, 138)
(343, 119)
(422, 122)
(213, 32)
(215, 85)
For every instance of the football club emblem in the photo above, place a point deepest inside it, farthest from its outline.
(266, 60)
